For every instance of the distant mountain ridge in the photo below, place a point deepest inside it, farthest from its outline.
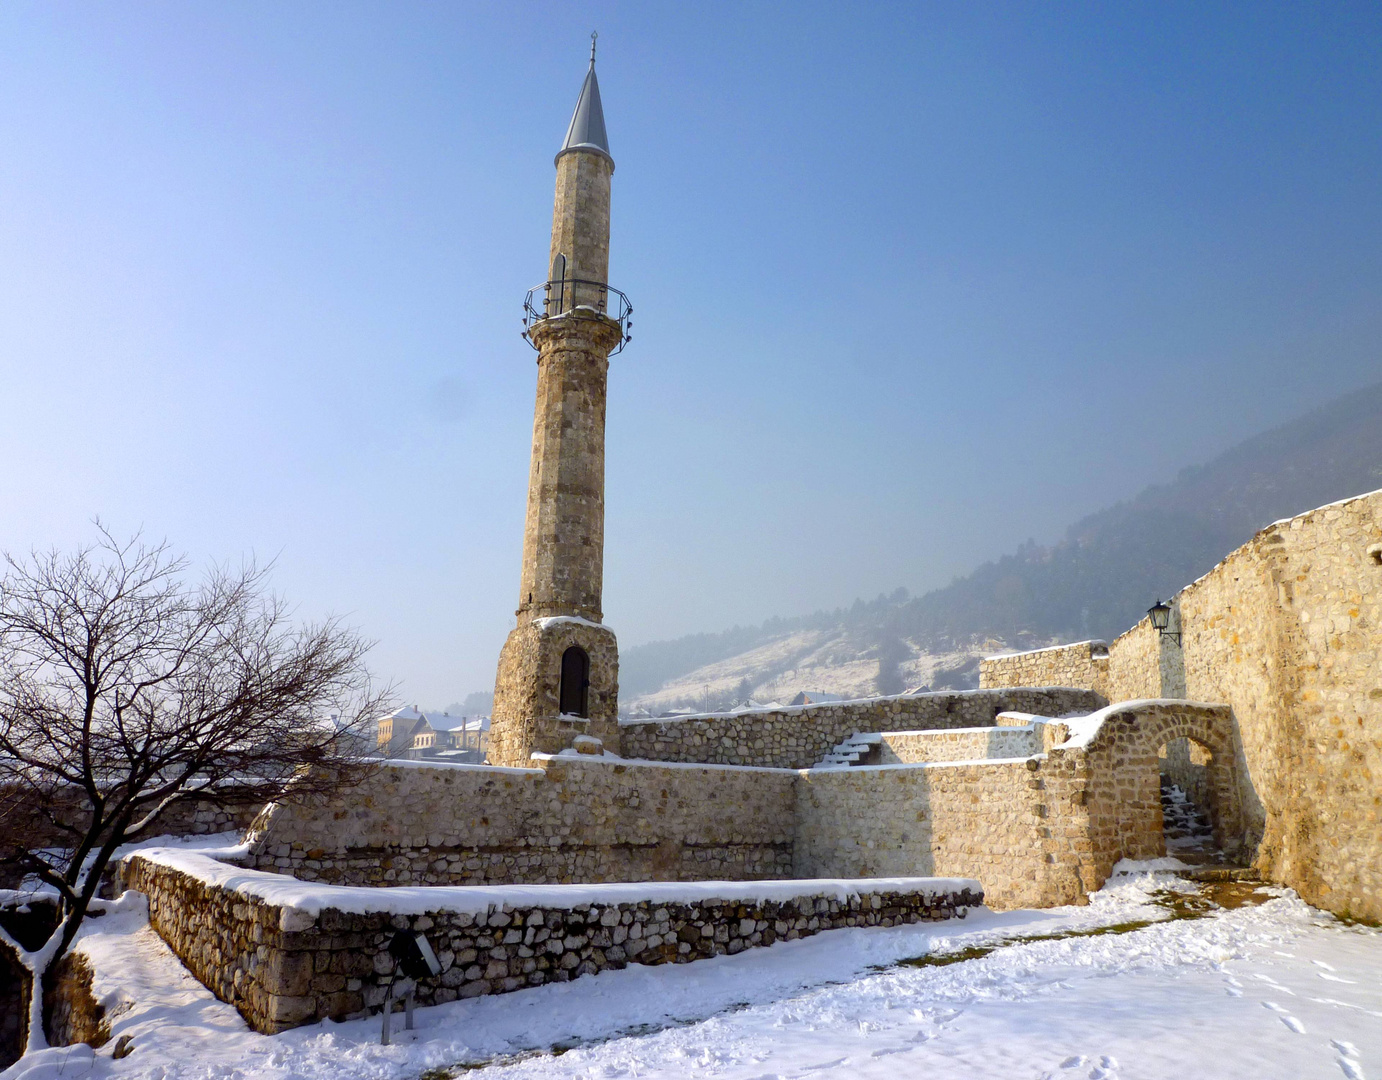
(1096, 582)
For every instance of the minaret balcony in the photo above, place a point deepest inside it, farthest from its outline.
(577, 298)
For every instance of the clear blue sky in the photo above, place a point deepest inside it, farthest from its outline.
(913, 284)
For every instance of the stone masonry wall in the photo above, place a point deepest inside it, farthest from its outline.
(1135, 664)
(1046, 830)
(962, 744)
(1084, 663)
(1287, 630)
(282, 967)
(797, 738)
(1020, 827)
(569, 819)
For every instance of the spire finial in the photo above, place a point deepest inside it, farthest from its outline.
(593, 35)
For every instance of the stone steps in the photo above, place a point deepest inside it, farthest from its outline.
(851, 751)
(1221, 873)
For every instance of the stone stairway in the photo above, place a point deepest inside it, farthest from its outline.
(852, 751)
(1190, 839)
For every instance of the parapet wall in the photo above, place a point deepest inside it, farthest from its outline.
(286, 955)
(571, 818)
(1288, 631)
(961, 744)
(797, 738)
(1084, 663)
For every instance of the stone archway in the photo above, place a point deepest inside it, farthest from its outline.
(1125, 775)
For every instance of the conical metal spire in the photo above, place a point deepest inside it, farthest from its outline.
(587, 130)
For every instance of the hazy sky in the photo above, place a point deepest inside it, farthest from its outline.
(913, 284)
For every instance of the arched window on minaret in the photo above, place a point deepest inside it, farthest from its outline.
(575, 682)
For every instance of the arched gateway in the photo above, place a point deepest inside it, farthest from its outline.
(1125, 773)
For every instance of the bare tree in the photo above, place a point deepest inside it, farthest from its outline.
(125, 687)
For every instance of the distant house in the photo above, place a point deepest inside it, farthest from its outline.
(395, 732)
(411, 733)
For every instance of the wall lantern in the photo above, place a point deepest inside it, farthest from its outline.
(1161, 618)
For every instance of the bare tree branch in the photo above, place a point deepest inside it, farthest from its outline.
(126, 687)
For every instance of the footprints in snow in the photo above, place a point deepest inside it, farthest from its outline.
(1104, 1070)
(1285, 1017)
(1348, 1060)
(1349, 1064)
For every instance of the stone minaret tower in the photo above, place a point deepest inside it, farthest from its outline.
(559, 670)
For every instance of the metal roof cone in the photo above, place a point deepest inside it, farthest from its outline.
(587, 130)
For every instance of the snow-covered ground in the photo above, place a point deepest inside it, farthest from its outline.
(1276, 990)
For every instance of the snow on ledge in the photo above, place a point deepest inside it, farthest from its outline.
(553, 620)
(569, 756)
(312, 898)
(816, 770)
(797, 710)
(1084, 728)
(986, 729)
(1049, 648)
(1148, 866)
(463, 766)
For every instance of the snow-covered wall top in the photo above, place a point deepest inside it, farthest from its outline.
(300, 899)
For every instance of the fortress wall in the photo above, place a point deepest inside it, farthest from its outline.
(1135, 664)
(1287, 630)
(962, 744)
(568, 819)
(797, 738)
(1020, 827)
(285, 962)
(1084, 663)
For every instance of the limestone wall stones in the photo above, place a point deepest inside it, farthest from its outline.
(1083, 663)
(1287, 630)
(797, 738)
(962, 744)
(527, 716)
(282, 967)
(572, 818)
(1021, 826)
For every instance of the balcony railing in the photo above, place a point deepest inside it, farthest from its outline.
(553, 298)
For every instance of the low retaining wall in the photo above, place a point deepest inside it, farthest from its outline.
(286, 954)
(797, 738)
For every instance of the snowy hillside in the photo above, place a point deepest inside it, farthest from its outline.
(839, 661)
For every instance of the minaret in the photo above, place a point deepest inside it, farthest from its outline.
(559, 670)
